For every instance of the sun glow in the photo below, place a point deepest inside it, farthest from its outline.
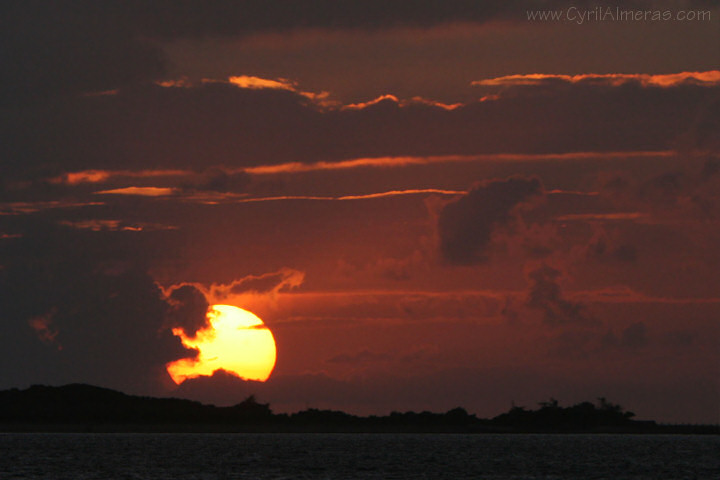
(235, 340)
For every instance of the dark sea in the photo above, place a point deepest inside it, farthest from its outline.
(357, 456)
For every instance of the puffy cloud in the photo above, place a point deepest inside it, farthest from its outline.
(465, 226)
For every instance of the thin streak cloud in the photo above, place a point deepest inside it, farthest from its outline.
(403, 161)
(100, 176)
(708, 78)
(369, 196)
(140, 191)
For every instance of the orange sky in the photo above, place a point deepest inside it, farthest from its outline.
(427, 209)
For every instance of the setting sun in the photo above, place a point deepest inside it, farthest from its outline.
(235, 340)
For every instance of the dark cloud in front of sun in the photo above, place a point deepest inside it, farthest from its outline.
(79, 306)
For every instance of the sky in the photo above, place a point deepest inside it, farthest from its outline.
(429, 204)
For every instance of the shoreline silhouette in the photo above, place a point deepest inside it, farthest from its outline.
(88, 408)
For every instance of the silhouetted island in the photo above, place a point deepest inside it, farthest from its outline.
(87, 408)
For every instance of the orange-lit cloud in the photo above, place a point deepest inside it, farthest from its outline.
(9, 236)
(266, 285)
(140, 191)
(395, 193)
(87, 176)
(99, 176)
(217, 198)
(246, 292)
(368, 196)
(44, 328)
(402, 103)
(254, 83)
(250, 82)
(182, 82)
(403, 161)
(708, 78)
(434, 103)
(297, 167)
(257, 83)
(382, 98)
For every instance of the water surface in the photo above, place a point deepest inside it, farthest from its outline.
(357, 456)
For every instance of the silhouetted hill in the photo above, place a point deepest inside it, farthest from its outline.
(88, 408)
(584, 416)
(89, 405)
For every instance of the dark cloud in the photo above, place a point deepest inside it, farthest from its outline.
(58, 48)
(78, 306)
(52, 49)
(187, 309)
(218, 127)
(602, 250)
(222, 388)
(546, 296)
(634, 336)
(711, 168)
(465, 226)
(78, 46)
(218, 180)
(155, 127)
(78, 303)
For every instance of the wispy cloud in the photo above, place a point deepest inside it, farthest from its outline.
(19, 208)
(257, 83)
(402, 103)
(403, 161)
(708, 78)
(113, 225)
(367, 196)
(140, 191)
(100, 176)
(617, 216)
